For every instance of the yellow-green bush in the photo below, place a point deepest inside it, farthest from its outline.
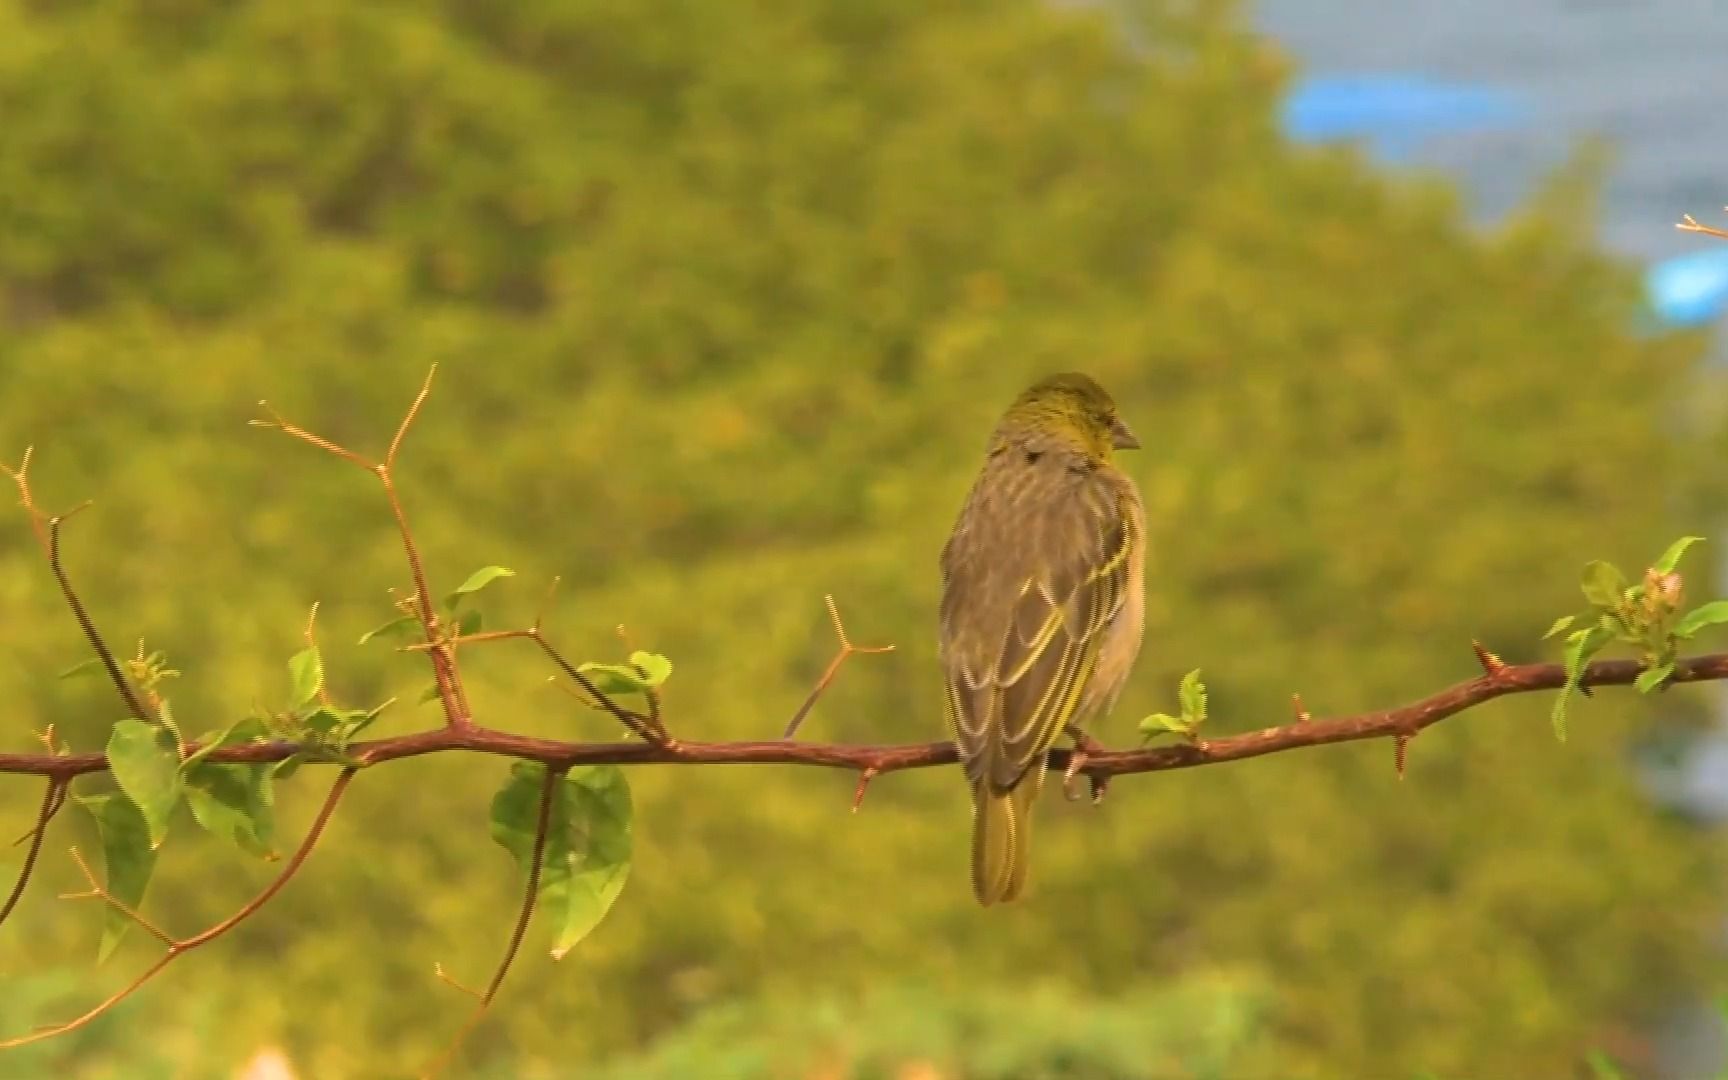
(726, 297)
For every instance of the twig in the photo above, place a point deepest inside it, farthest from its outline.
(845, 650)
(1312, 731)
(450, 691)
(548, 790)
(51, 800)
(121, 684)
(1690, 224)
(178, 947)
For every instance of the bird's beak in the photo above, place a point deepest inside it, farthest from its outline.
(1121, 437)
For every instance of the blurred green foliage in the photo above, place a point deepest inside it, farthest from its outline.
(727, 297)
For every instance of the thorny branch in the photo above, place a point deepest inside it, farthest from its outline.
(1690, 224)
(885, 758)
(461, 733)
(178, 947)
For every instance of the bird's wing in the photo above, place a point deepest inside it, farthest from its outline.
(1021, 638)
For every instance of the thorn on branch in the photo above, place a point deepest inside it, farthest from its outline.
(870, 773)
(1301, 710)
(546, 604)
(273, 420)
(21, 477)
(1400, 752)
(1492, 665)
(448, 979)
(845, 650)
(408, 418)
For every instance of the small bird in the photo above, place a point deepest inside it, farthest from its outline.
(1043, 605)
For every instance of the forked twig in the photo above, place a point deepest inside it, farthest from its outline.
(841, 654)
(450, 691)
(1690, 224)
(178, 947)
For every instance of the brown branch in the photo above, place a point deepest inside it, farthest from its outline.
(1310, 731)
(647, 728)
(178, 947)
(1689, 224)
(51, 801)
(537, 860)
(450, 692)
(121, 684)
(841, 654)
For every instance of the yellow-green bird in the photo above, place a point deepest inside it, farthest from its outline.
(1043, 604)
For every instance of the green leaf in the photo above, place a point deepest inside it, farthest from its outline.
(306, 675)
(397, 627)
(146, 764)
(1581, 645)
(127, 858)
(83, 667)
(644, 672)
(236, 803)
(1159, 723)
(428, 694)
(478, 580)
(1652, 677)
(1671, 558)
(1192, 695)
(468, 622)
(244, 730)
(1603, 585)
(1712, 614)
(288, 766)
(588, 844)
(1560, 624)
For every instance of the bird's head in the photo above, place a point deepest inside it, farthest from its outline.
(1070, 410)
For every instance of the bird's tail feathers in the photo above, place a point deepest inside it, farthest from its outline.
(1001, 834)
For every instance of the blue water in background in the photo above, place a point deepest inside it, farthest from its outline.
(1527, 80)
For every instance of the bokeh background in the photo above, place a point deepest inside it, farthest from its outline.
(726, 298)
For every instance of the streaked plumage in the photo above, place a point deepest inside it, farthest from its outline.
(1042, 606)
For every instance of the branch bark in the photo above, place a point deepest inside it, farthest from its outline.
(1403, 720)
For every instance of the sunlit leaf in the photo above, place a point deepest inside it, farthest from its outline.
(400, 626)
(1603, 584)
(306, 676)
(1712, 614)
(478, 580)
(1581, 645)
(1192, 696)
(146, 764)
(1671, 558)
(1652, 677)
